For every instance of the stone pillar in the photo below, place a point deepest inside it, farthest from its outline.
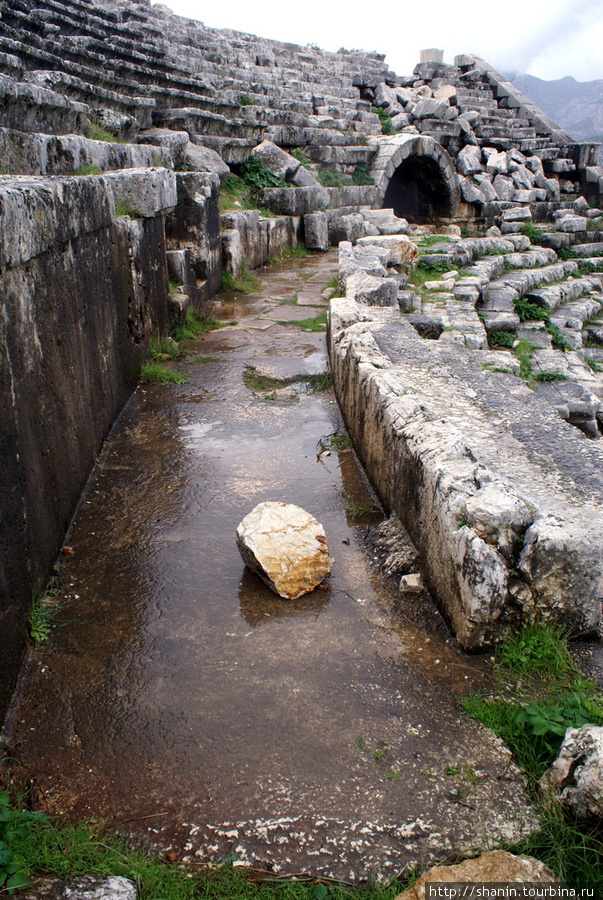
(436, 56)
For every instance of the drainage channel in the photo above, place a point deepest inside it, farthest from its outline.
(180, 698)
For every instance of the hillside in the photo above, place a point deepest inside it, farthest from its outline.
(575, 105)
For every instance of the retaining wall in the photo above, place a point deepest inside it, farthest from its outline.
(81, 290)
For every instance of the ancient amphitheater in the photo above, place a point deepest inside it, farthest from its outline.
(473, 395)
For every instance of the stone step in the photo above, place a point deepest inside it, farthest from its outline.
(27, 107)
(202, 122)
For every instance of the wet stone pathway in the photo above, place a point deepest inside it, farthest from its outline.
(182, 699)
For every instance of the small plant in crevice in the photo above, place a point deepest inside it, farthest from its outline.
(89, 169)
(385, 119)
(532, 232)
(98, 132)
(593, 365)
(246, 100)
(550, 376)
(246, 283)
(328, 178)
(361, 175)
(501, 339)
(356, 510)
(298, 154)
(257, 176)
(40, 620)
(524, 351)
(317, 323)
(125, 208)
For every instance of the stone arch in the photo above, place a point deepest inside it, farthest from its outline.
(416, 177)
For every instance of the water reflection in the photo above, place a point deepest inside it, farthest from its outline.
(260, 605)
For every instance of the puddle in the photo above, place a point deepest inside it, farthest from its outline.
(179, 696)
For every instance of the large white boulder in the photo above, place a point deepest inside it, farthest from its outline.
(576, 776)
(286, 547)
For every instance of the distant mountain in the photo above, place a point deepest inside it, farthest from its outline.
(577, 106)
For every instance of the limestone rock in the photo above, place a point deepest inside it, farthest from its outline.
(316, 231)
(576, 776)
(499, 516)
(204, 159)
(372, 291)
(386, 221)
(93, 887)
(401, 249)
(277, 161)
(286, 547)
(497, 866)
(469, 160)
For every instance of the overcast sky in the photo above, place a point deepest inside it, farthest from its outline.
(546, 38)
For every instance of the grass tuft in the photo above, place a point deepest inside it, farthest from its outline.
(158, 373)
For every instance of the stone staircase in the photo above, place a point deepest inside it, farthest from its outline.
(113, 63)
(472, 384)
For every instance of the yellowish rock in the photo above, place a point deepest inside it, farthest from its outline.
(497, 866)
(286, 547)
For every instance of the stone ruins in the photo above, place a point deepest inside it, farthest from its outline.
(473, 397)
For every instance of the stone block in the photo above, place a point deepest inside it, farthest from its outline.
(146, 192)
(316, 231)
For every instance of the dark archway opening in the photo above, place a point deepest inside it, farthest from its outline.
(418, 192)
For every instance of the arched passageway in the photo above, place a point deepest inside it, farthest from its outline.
(418, 192)
(416, 178)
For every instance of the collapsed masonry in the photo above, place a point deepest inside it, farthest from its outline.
(85, 258)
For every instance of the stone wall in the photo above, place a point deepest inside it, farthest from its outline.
(81, 290)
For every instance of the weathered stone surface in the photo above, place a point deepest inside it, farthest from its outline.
(146, 191)
(345, 228)
(495, 867)
(316, 231)
(276, 160)
(386, 221)
(401, 249)
(204, 159)
(469, 160)
(286, 547)
(467, 490)
(93, 887)
(576, 776)
(372, 291)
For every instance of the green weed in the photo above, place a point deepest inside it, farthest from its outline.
(340, 441)
(98, 132)
(358, 510)
(246, 283)
(532, 232)
(246, 100)
(541, 693)
(164, 348)
(594, 365)
(329, 179)
(125, 208)
(257, 176)
(40, 619)
(15, 825)
(361, 175)
(524, 351)
(89, 169)
(550, 376)
(385, 119)
(318, 323)
(501, 339)
(58, 847)
(159, 373)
